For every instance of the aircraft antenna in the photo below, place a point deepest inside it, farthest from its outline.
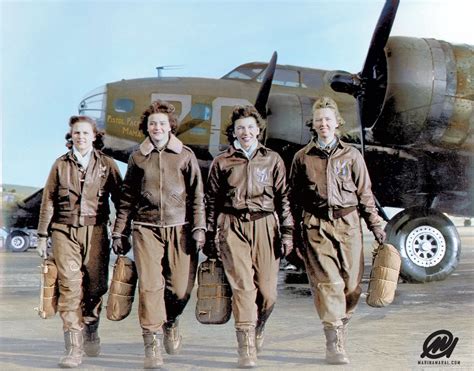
(160, 69)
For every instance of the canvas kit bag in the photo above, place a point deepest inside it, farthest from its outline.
(214, 295)
(49, 290)
(383, 276)
(122, 289)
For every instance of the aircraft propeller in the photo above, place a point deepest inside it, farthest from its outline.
(264, 92)
(369, 85)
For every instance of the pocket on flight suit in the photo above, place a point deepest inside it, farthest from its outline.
(223, 225)
(64, 199)
(310, 221)
(347, 190)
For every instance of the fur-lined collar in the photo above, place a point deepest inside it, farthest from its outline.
(174, 144)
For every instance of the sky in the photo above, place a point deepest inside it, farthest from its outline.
(54, 52)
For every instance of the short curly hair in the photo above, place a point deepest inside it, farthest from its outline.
(99, 134)
(326, 102)
(159, 106)
(239, 112)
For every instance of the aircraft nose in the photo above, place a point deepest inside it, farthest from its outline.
(94, 105)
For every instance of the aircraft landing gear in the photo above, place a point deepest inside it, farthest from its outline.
(18, 241)
(428, 242)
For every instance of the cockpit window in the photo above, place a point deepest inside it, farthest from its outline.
(312, 79)
(284, 77)
(93, 105)
(290, 76)
(243, 73)
(201, 111)
(123, 105)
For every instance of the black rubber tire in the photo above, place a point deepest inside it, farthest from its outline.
(18, 241)
(428, 225)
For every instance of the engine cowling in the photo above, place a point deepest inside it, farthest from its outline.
(430, 94)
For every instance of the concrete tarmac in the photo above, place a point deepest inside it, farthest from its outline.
(389, 338)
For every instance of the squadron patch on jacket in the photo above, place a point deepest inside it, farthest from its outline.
(342, 168)
(261, 175)
(102, 170)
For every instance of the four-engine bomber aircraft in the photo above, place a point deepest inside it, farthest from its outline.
(412, 118)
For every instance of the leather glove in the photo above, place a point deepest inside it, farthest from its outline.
(121, 245)
(42, 248)
(286, 245)
(200, 237)
(379, 235)
(210, 249)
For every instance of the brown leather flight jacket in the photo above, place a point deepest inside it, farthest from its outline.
(321, 183)
(237, 184)
(67, 201)
(162, 188)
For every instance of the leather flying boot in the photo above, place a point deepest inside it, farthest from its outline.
(335, 352)
(247, 350)
(153, 358)
(171, 337)
(73, 342)
(259, 336)
(345, 331)
(91, 339)
(263, 316)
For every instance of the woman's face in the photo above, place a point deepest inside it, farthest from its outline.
(83, 136)
(246, 131)
(159, 127)
(325, 123)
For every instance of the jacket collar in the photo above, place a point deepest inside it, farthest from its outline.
(174, 145)
(312, 146)
(94, 154)
(231, 151)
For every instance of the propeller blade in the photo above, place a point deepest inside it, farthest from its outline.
(360, 111)
(380, 37)
(264, 92)
(369, 85)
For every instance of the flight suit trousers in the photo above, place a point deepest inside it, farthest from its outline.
(166, 260)
(251, 265)
(82, 258)
(334, 263)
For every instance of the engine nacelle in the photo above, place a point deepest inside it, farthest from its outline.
(430, 94)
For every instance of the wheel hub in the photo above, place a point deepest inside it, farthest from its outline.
(425, 246)
(18, 242)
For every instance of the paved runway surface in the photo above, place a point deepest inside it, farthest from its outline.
(390, 338)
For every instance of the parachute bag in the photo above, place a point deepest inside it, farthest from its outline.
(383, 276)
(214, 295)
(122, 289)
(49, 290)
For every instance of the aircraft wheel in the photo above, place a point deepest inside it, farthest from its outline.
(18, 241)
(429, 244)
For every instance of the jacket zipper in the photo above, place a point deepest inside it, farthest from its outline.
(161, 188)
